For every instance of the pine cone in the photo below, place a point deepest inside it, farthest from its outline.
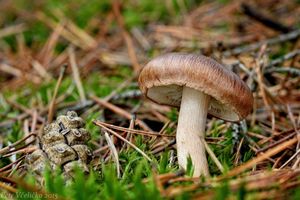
(62, 145)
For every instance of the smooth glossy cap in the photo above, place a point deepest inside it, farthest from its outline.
(163, 78)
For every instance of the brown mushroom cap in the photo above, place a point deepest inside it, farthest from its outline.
(163, 78)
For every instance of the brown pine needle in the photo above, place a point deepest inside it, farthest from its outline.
(26, 150)
(41, 70)
(7, 187)
(77, 31)
(213, 156)
(64, 33)
(11, 164)
(114, 152)
(289, 160)
(47, 52)
(126, 36)
(260, 158)
(8, 148)
(10, 70)
(14, 29)
(124, 140)
(139, 132)
(258, 69)
(52, 103)
(119, 111)
(76, 74)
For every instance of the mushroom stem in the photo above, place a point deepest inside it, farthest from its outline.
(190, 130)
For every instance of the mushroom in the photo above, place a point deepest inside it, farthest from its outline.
(199, 86)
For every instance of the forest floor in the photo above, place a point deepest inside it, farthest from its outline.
(85, 56)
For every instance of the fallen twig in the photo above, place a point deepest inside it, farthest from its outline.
(254, 46)
(255, 14)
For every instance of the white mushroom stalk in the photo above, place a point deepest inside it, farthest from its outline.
(190, 130)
